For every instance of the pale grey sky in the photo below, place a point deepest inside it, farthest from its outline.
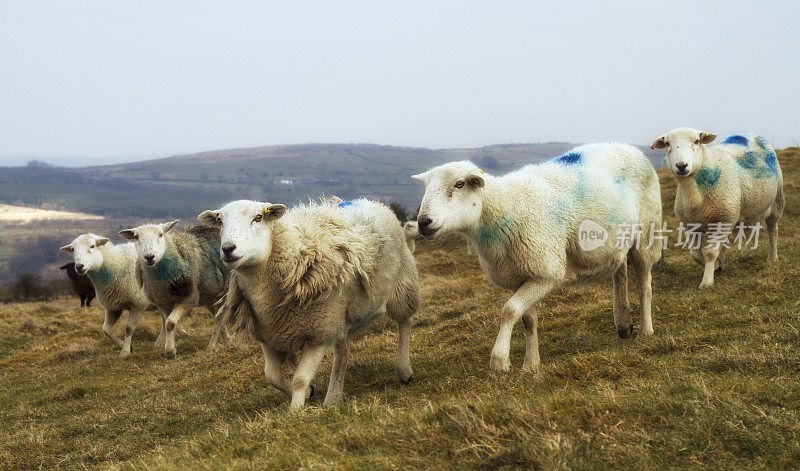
(124, 80)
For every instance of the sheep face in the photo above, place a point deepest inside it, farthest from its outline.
(85, 250)
(411, 230)
(684, 149)
(453, 199)
(245, 230)
(149, 241)
(70, 267)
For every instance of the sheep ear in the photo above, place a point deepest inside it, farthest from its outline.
(210, 217)
(475, 180)
(659, 143)
(63, 267)
(420, 177)
(101, 241)
(169, 225)
(274, 211)
(129, 234)
(67, 248)
(707, 137)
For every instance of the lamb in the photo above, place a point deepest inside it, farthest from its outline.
(112, 270)
(411, 233)
(312, 278)
(736, 181)
(531, 230)
(180, 269)
(81, 284)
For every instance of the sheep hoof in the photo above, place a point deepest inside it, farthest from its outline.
(499, 365)
(170, 354)
(408, 380)
(124, 354)
(625, 331)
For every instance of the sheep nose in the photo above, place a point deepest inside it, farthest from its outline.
(423, 223)
(149, 258)
(228, 249)
(681, 166)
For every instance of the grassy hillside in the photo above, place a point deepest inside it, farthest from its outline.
(716, 386)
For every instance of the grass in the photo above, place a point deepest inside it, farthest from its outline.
(715, 387)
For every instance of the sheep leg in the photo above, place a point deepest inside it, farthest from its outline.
(644, 283)
(531, 322)
(622, 310)
(134, 315)
(273, 360)
(89, 300)
(219, 329)
(172, 321)
(710, 254)
(83, 300)
(341, 351)
(772, 230)
(161, 340)
(111, 318)
(304, 373)
(520, 302)
(402, 359)
(697, 255)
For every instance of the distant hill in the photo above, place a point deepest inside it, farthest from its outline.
(181, 186)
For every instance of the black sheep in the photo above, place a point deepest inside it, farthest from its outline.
(81, 284)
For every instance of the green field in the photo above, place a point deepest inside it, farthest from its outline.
(715, 387)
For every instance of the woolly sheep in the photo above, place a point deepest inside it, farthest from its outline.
(180, 269)
(736, 181)
(411, 232)
(312, 279)
(112, 269)
(81, 284)
(529, 226)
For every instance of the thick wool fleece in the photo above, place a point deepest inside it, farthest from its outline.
(332, 271)
(115, 281)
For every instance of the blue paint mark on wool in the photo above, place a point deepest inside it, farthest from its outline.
(706, 178)
(762, 143)
(492, 233)
(570, 158)
(737, 139)
(100, 277)
(170, 267)
(344, 204)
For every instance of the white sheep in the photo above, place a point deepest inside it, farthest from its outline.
(411, 233)
(312, 279)
(736, 181)
(532, 230)
(180, 269)
(112, 269)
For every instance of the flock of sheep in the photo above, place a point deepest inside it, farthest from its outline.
(306, 280)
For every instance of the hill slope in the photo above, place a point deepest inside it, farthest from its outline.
(716, 386)
(182, 186)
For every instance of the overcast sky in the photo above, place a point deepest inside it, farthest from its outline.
(95, 80)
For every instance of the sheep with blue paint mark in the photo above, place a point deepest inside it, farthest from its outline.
(312, 278)
(112, 269)
(736, 181)
(179, 270)
(527, 228)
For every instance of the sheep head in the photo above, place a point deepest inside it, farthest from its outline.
(245, 230)
(149, 241)
(85, 252)
(453, 199)
(684, 149)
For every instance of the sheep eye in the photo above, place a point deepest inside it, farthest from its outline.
(161, 235)
(460, 184)
(91, 247)
(258, 218)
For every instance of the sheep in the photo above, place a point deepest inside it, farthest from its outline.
(112, 270)
(180, 269)
(313, 278)
(81, 284)
(736, 181)
(531, 228)
(411, 233)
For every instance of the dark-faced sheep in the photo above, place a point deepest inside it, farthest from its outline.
(81, 284)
